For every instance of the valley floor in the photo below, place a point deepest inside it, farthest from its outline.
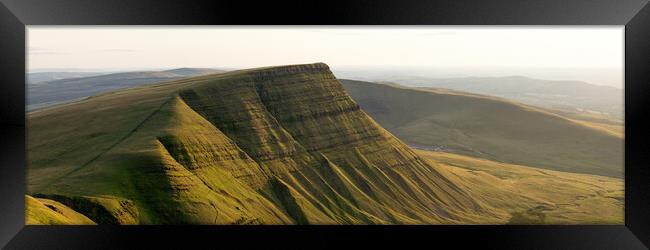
(533, 195)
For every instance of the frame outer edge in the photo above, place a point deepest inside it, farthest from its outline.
(378, 12)
(12, 175)
(12, 120)
(637, 85)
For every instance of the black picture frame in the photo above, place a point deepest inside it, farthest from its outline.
(16, 14)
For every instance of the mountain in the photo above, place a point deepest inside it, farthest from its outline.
(569, 96)
(50, 93)
(275, 145)
(39, 77)
(490, 128)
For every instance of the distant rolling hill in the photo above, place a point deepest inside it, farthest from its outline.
(39, 77)
(49, 93)
(574, 97)
(490, 128)
(276, 145)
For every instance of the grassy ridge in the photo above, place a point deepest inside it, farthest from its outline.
(491, 128)
(103, 209)
(39, 211)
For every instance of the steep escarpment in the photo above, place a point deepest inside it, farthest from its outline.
(298, 122)
(277, 145)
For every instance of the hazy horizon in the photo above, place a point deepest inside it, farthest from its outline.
(589, 54)
(597, 76)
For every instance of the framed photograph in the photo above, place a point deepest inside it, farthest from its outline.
(501, 124)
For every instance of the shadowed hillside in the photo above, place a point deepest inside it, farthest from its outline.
(277, 145)
(490, 128)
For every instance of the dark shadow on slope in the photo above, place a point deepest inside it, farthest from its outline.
(288, 202)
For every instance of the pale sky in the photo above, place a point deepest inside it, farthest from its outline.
(141, 47)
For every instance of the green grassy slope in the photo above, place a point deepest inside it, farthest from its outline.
(39, 211)
(102, 209)
(276, 145)
(533, 195)
(491, 128)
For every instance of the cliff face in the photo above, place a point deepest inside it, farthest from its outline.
(310, 138)
(279, 145)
